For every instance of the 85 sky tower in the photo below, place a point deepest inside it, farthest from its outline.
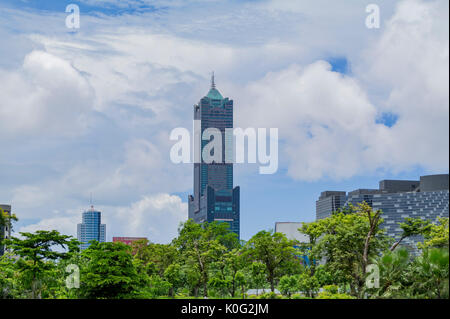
(214, 197)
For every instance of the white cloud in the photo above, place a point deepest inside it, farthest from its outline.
(156, 217)
(410, 62)
(47, 95)
(103, 99)
(324, 118)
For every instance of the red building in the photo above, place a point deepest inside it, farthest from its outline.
(127, 240)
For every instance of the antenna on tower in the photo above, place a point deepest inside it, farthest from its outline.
(213, 85)
(90, 202)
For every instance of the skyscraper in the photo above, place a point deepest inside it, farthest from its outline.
(214, 197)
(91, 228)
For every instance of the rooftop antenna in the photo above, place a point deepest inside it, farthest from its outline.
(213, 85)
(90, 202)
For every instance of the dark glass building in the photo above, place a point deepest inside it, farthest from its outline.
(214, 197)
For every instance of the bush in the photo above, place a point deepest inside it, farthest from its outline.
(299, 296)
(270, 295)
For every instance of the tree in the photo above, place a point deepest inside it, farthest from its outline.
(173, 275)
(288, 285)
(230, 265)
(258, 275)
(273, 250)
(37, 255)
(313, 231)
(347, 240)
(393, 268)
(199, 244)
(430, 274)
(412, 226)
(332, 292)
(9, 283)
(6, 219)
(437, 236)
(307, 284)
(109, 272)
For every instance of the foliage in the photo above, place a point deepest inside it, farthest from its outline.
(429, 274)
(332, 292)
(413, 226)
(37, 255)
(288, 285)
(269, 295)
(201, 246)
(273, 250)
(347, 240)
(208, 260)
(109, 271)
(393, 268)
(437, 235)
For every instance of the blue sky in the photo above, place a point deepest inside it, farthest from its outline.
(90, 111)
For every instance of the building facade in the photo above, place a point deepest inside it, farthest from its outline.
(91, 228)
(214, 198)
(127, 240)
(5, 231)
(329, 201)
(427, 198)
(290, 230)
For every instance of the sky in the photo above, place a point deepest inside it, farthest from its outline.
(88, 112)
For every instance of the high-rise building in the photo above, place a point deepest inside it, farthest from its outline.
(427, 198)
(127, 240)
(329, 201)
(5, 231)
(91, 228)
(214, 197)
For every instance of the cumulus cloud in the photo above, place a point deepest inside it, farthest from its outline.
(156, 217)
(46, 96)
(105, 98)
(410, 63)
(325, 119)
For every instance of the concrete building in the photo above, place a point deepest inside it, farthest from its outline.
(290, 230)
(5, 231)
(91, 228)
(427, 198)
(214, 197)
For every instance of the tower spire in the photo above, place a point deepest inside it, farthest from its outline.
(90, 201)
(213, 85)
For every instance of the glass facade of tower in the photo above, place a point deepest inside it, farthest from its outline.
(91, 228)
(214, 197)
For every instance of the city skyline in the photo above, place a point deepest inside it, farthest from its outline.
(89, 111)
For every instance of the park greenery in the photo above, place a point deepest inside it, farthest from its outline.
(208, 261)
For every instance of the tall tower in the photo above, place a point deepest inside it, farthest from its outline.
(214, 197)
(91, 228)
